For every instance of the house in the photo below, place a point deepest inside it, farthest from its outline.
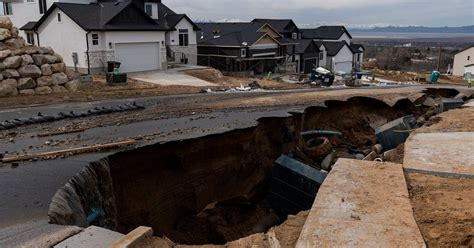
(285, 27)
(464, 61)
(254, 47)
(142, 35)
(311, 54)
(342, 54)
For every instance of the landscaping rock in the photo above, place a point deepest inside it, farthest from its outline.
(5, 22)
(30, 71)
(4, 54)
(28, 92)
(50, 59)
(71, 74)
(4, 34)
(1, 77)
(26, 83)
(31, 50)
(46, 70)
(59, 89)
(59, 78)
(43, 90)
(38, 59)
(46, 50)
(17, 52)
(15, 42)
(44, 81)
(26, 60)
(8, 87)
(10, 73)
(14, 32)
(73, 85)
(12, 62)
(59, 58)
(58, 67)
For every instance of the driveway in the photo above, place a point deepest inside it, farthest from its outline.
(172, 76)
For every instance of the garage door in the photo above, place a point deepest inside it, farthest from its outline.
(343, 67)
(309, 65)
(138, 56)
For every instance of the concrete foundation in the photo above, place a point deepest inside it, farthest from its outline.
(362, 204)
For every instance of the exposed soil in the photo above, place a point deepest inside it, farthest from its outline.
(456, 120)
(443, 209)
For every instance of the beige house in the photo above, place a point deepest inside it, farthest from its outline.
(463, 61)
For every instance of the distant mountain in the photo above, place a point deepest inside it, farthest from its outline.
(417, 29)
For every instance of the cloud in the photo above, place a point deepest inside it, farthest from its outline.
(349, 12)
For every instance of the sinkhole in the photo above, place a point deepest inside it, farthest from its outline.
(215, 189)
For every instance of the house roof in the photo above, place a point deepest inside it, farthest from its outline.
(356, 48)
(173, 19)
(28, 26)
(280, 25)
(333, 47)
(303, 45)
(115, 16)
(325, 33)
(236, 34)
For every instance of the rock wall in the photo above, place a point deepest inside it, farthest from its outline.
(30, 70)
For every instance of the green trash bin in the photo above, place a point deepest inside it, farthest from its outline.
(434, 77)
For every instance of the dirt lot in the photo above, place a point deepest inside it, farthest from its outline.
(443, 209)
(443, 206)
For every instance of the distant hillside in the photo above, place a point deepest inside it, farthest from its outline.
(417, 29)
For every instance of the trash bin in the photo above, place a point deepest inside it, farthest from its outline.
(112, 65)
(434, 77)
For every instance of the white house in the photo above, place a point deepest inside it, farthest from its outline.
(142, 35)
(464, 61)
(341, 54)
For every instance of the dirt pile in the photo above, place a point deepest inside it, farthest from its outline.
(30, 70)
(210, 75)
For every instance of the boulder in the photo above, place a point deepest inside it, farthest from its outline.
(71, 74)
(8, 87)
(14, 32)
(38, 59)
(59, 78)
(26, 60)
(49, 59)
(31, 50)
(43, 90)
(46, 70)
(45, 50)
(17, 52)
(44, 81)
(30, 71)
(5, 22)
(58, 89)
(28, 92)
(1, 77)
(26, 83)
(59, 58)
(15, 42)
(58, 67)
(73, 85)
(10, 73)
(4, 54)
(12, 62)
(2, 66)
(5, 34)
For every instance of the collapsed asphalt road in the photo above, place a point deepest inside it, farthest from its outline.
(27, 187)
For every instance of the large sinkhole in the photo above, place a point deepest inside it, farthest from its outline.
(215, 189)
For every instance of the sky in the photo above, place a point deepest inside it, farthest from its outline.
(352, 13)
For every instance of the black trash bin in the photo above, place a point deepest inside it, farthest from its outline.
(111, 65)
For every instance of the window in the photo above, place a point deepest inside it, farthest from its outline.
(30, 1)
(149, 9)
(321, 56)
(59, 17)
(358, 57)
(7, 9)
(468, 58)
(42, 6)
(183, 37)
(243, 52)
(95, 39)
(294, 36)
(30, 38)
